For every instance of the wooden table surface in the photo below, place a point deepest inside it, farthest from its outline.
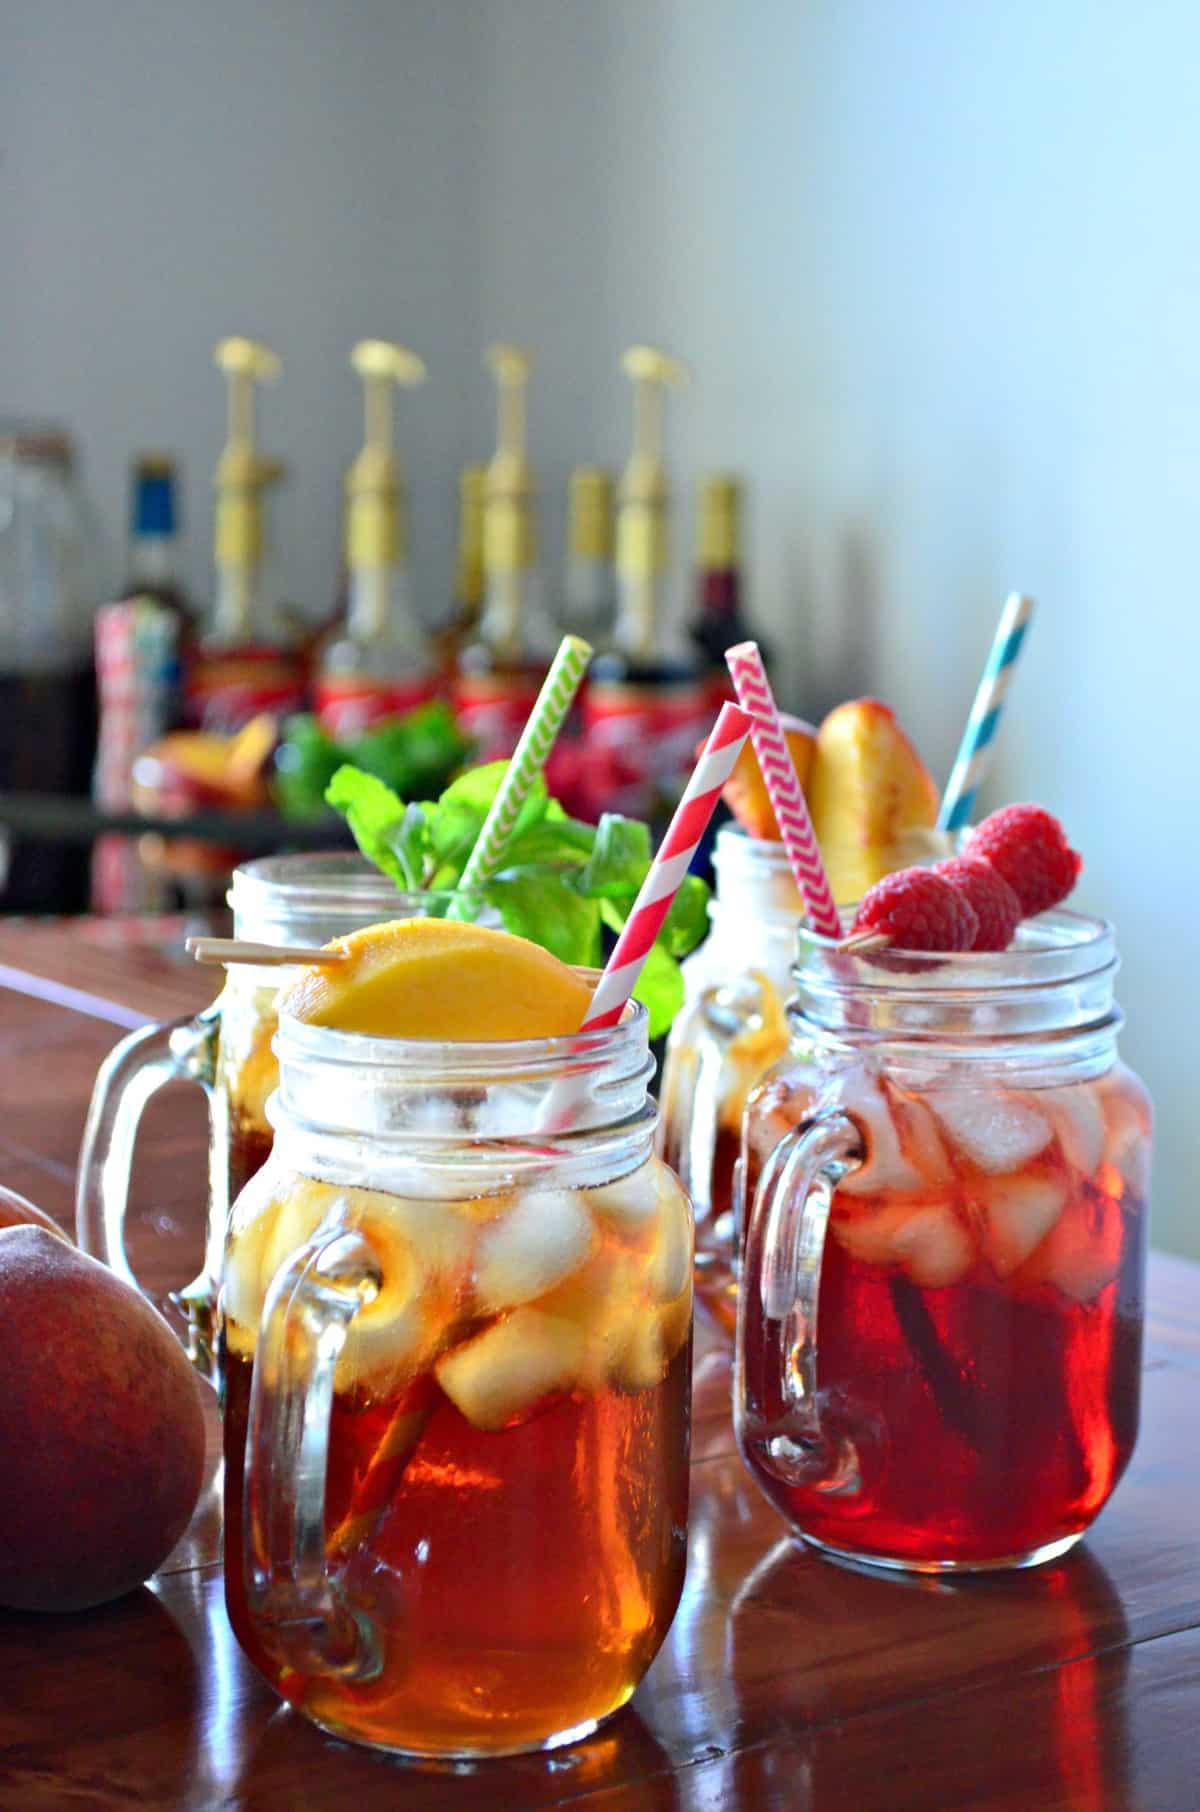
(785, 1682)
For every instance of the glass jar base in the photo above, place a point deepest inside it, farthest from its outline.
(452, 1759)
(890, 1564)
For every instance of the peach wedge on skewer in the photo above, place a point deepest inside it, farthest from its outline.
(873, 801)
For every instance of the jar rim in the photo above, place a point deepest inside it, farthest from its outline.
(316, 880)
(349, 1101)
(1055, 982)
(427, 1057)
(1056, 946)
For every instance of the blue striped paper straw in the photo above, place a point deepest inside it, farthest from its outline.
(974, 752)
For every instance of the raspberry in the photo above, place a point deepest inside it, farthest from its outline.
(918, 909)
(996, 905)
(1030, 849)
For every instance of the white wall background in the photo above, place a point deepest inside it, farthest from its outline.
(935, 266)
(300, 172)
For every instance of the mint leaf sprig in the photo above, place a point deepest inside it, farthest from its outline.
(414, 754)
(563, 882)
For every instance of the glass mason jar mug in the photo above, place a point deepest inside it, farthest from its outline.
(731, 1030)
(456, 1315)
(227, 1049)
(733, 1027)
(947, 1179)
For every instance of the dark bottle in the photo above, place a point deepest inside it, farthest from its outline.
(153, 570)
(49, 552)
(719, 620)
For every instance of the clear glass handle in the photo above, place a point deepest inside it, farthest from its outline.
(776, 1394)
(184, 1050)
(695, 1083)
(303, 1610)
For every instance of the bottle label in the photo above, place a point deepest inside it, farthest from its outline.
(641, 741)
(227, 687)
(491, 710)
(347, 705)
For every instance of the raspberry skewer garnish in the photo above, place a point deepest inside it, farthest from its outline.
(1029, 847)
(916, 909)
(1016, 864)
(997, 907)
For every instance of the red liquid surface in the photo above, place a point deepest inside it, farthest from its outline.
(520, 1581)
(973, 1422)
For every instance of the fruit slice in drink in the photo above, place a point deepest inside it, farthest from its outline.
(439, 979)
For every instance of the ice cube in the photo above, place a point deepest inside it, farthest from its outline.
(884, 1167)
(653, 1336)
(244, 1276)
(919, 1138)
(927, 1239)
(997, 1131)
(630, 1203)
(436, 1233)
(419, 1248)
(1018, 1213)
(503, 1372)
(671, 1265)
(1078, 1121)
(547, 1234)
(303, 1206)
(432, 1115)
(1082, 1254)
(1127, 1129)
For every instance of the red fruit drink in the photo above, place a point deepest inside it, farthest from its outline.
(731, 1030)
(962, 1390)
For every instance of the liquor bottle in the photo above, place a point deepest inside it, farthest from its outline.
(378, 664)
(247, 660)
(154, 536)
(647, 702)
(719, 620)
(461, 623)
(51, 573)
(500, 672)
(589, 581)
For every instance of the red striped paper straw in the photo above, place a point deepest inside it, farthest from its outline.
(665, 875)
(753, 688)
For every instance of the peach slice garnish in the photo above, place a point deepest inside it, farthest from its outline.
(869, 793)
(745, 792)
(442, 980)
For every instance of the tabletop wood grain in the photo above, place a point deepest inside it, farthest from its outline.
(785, 1682)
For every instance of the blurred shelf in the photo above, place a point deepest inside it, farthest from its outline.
(54, 819)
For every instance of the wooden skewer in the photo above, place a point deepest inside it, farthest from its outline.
(219, 950)
(864, 941)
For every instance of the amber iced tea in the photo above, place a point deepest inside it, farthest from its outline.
(506, 1493)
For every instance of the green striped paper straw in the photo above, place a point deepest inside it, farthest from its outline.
(528, 759)
(974, 752)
